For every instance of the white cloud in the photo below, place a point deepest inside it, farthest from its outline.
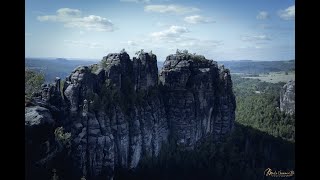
(194, 42)
(261, 37)
(63, 15)
(196, 19)
(176, 37)
(288, 14)
(170, 9)
(91, 45)
(136, 1)
(263, 15)
(251, 47)
(73, 18)
(172, 32)
(131, 43)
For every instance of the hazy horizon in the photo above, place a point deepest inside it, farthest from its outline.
(92, 59)
(248, 30)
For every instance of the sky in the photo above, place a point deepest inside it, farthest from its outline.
(218, 29)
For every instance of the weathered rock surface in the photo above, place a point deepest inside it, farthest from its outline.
(287, 98)
(198, 98)
(38, 116)
(120, 110)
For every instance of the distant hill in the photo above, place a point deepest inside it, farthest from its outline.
(160, 65)
(52, 68)
(257, 67)
(62, 67)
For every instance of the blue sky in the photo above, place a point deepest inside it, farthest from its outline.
(218, 29)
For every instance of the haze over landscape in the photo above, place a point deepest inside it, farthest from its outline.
(220, 30)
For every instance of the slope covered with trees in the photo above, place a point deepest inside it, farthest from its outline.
(258, 107)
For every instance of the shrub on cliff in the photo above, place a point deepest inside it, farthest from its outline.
(33, 81)
(63, 138)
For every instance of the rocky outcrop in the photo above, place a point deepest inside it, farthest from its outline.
(145, 71)
(198, 98)
(121, 110)
(38, 116)
(287, 98)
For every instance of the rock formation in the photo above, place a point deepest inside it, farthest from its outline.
(287, 98)
(198, 98)
(121, 110)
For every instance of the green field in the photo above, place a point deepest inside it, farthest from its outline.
(274, 77)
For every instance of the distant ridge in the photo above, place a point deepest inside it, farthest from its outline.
(257, 67)
(53, 67)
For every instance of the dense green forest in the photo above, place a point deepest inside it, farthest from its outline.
(258, 107)
(243, 155)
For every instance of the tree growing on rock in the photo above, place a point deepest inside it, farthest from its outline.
(63, 138)
(139, 52)
(185, 51)
(123, 51)
(33, 82)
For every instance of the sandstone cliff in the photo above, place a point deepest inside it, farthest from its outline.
(287, 98)
(121, 110)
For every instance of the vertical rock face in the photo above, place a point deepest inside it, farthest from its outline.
(287, 98)
(120, 110)
(198, 98)
(145, 71)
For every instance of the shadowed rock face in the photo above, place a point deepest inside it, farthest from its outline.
(287, 98)
(198, 98)
(121, 110)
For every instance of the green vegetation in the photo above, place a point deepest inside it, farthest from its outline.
(33, 82)
(243, 155)
(123, 51)
(139, 52)
(188, 55)
(62, 137)
(94, 67)
(261, 110)
(274, 77)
